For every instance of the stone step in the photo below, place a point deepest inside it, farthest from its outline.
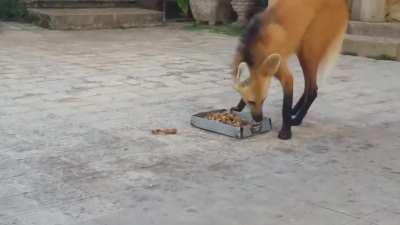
(95, 18)
(374, 47)
(80, 3)
(391, 30)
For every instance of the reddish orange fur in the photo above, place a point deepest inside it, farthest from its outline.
(312, 29)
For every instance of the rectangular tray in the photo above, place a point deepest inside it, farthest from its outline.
(200, 121)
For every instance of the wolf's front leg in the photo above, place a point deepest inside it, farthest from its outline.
(286, 79)
(240, 106)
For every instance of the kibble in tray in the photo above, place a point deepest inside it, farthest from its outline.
(230, 124)
(226, 118)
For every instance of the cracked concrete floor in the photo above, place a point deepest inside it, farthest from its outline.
(75, 148)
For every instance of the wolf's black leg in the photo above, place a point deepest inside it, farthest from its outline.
(240, 106)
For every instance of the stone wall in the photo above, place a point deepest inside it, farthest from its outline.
(375, 10)
(393, 10)
(368, 10)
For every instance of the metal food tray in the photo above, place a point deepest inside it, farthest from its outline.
(200, 121)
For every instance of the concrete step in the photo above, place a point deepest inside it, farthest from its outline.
(391, 30)
(80, 3)
(95, 18)
(374, 47)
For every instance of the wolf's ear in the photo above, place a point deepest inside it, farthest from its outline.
(243, 72)
(242, 76)
(271, 65)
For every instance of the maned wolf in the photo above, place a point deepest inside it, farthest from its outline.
(312, 29)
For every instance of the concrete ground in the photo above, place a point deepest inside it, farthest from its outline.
(76, 109)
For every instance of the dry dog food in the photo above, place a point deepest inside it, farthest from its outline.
(227, 118)
(164, 131)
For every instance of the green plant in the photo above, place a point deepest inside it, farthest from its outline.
(184, 6)
(12, 9)
(383, 57)
(350, 53)
(231, 30)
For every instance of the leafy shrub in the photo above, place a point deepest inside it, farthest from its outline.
(12, 10)
(184, 6)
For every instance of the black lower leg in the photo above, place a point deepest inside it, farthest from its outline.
(304, 98)
(286, 131)
(298, 105)
(302, 112)
(240, 106)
